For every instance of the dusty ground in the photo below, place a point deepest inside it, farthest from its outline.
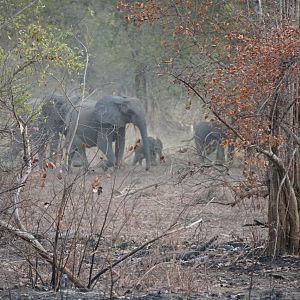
(209, 251)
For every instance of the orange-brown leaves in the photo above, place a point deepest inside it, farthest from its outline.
(252, 91)
(50, 165)
(130, 148)
(97, 185)
(134, 146)
(43, 176)
(140, 12)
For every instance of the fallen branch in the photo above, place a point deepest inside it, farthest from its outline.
(128, 192)
(117, 262)
(29, 238)
(12, 189)
(191, 254)
(256, 223)
(261, 191)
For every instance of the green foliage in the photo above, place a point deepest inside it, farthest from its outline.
(31, 52)
(46, 46)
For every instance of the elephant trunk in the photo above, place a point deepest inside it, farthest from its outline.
(141, 124)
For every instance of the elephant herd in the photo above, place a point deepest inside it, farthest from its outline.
(86, 124)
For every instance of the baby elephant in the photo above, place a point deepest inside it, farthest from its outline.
(155, 147)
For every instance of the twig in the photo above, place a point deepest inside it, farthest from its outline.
(256, 223)
(129, 193)
(262, 191)
(12, 188)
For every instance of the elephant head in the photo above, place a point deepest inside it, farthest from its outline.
(118, 111)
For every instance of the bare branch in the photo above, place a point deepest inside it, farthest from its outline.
(212, 111)
(29, 238)
(291, 133)
(71, 134)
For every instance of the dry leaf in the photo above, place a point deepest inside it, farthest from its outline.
(96, 184)
(50, 165)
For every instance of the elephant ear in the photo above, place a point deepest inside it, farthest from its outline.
(112, 110)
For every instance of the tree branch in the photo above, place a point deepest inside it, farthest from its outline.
(30, 239)
(142, 247)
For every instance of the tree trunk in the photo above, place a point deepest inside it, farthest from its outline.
(141, 85)
(283, 214)
(140, 81)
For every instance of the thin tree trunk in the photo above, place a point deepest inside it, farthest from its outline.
(297, 14)
(141, 85)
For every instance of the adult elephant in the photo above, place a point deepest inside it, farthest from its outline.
(46, 129)
(208, 138)
(104, 122)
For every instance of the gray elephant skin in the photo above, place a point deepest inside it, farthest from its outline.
(46, 129)
(208, 138)
(103, 122)
(155, 147)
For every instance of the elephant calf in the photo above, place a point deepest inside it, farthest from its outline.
(155, 147)
(208, 138)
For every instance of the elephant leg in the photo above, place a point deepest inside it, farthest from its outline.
(153, 158)
(230, 150)
(141, 161)
(138, 156)
(120, 145)
(135, 159)
(54, 145)
(220, 156)
(200, 150)
(82, 154)
(40, 141)
(84, 159)
(211, 147)
(160, 154)
(76, 148)
(70, 159)
(42, 156)
(104, 143)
